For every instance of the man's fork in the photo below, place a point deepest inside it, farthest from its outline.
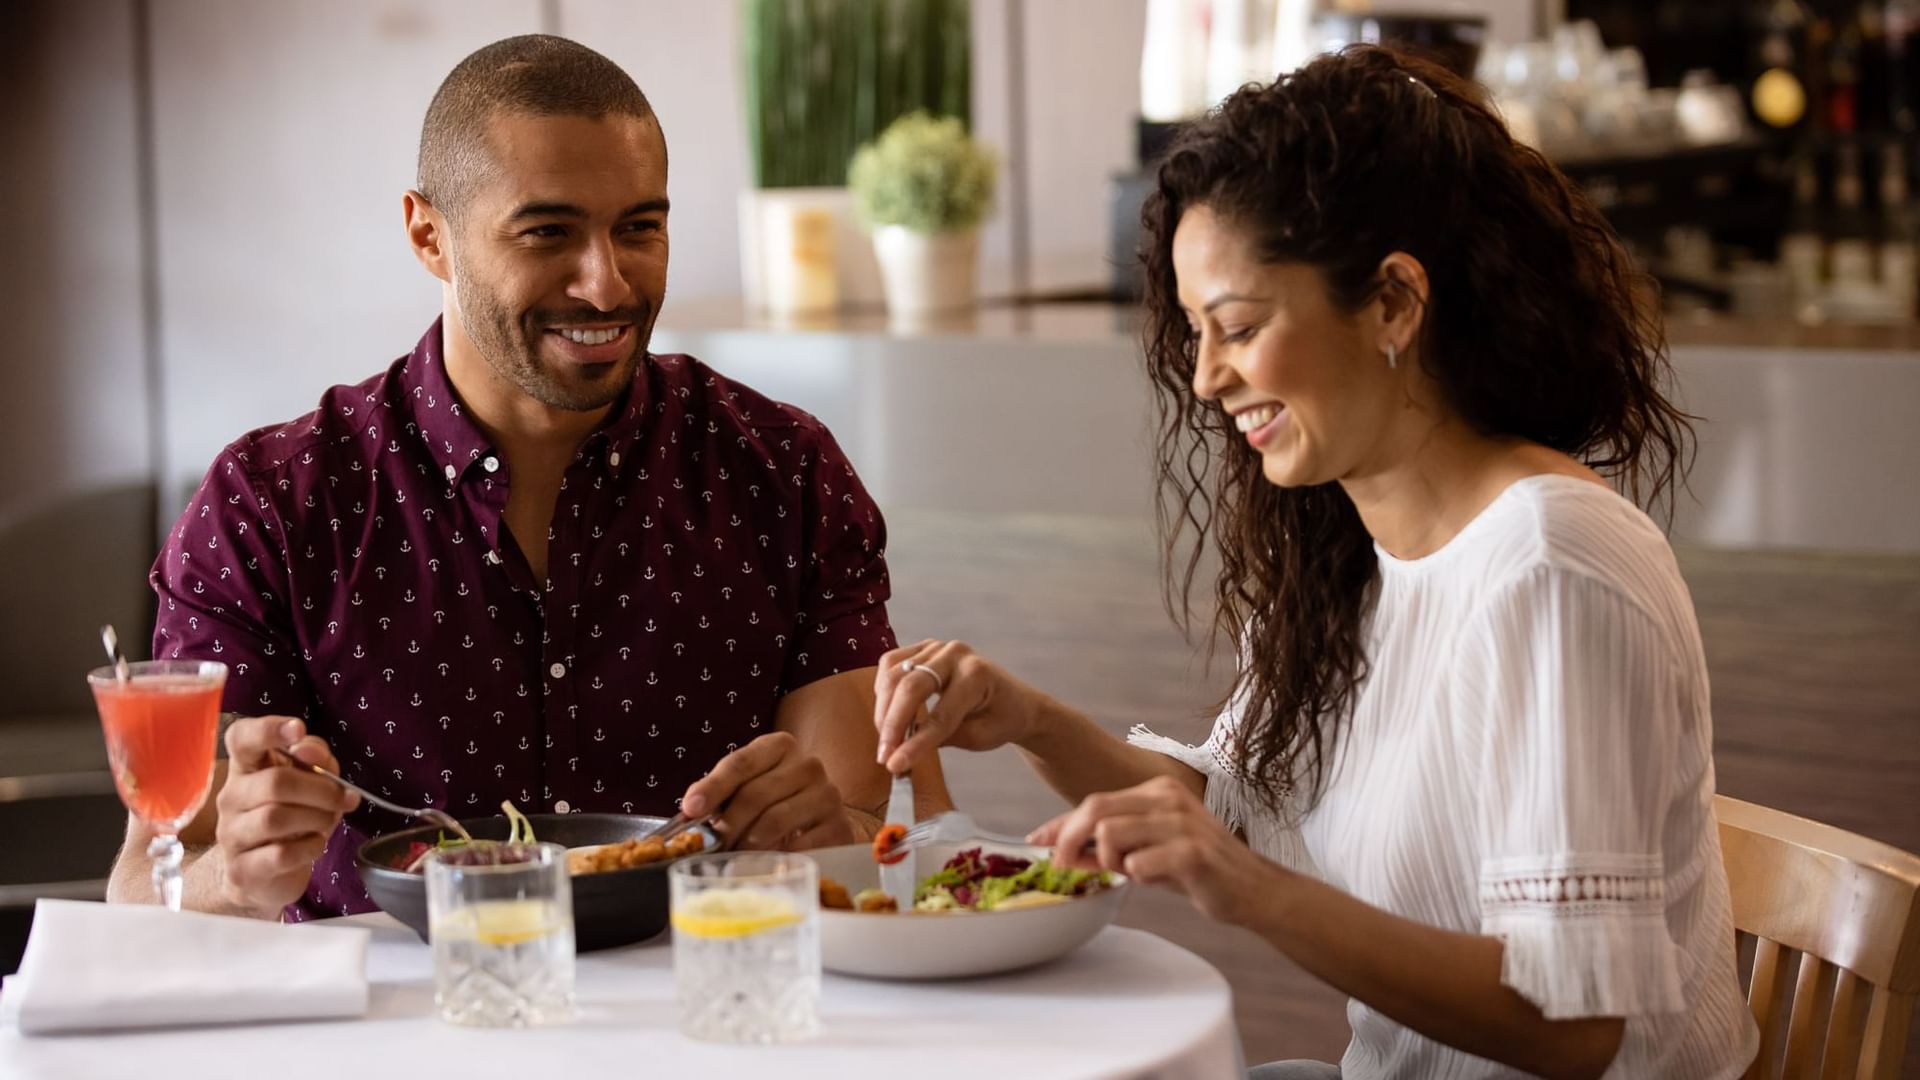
(428, 814)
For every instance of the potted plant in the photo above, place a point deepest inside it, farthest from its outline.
(923, 187)
(820, 78)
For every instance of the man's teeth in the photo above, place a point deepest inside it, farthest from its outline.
(592, 337)
(1256, 417)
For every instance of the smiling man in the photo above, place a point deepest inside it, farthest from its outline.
(530, 560)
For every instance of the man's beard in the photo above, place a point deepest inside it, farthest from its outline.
(511, 347)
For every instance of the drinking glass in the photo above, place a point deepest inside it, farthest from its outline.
(501, 923)
(746, 946)
(160, 723)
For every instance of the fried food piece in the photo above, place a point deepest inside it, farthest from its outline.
(633, 852)
(833, 895)
(687, 843)
(886, 844)
(874, 901)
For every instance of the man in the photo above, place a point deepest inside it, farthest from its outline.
(530, 561)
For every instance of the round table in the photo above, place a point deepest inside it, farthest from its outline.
(1128, 1004)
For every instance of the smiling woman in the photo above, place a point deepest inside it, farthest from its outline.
(1400, 363)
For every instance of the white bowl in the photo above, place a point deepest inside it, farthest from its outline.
(950, 945)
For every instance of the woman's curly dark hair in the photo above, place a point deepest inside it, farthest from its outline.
(1537, 325)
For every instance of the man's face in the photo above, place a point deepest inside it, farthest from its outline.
(560, 257)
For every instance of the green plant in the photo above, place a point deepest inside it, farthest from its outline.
(824, 76)
(925, 173)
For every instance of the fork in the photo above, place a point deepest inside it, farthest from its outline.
(951, 826)
(427, 814)
(954, 825)
(673, 827)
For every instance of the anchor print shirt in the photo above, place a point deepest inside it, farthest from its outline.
(711, 550)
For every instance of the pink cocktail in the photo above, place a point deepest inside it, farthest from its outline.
(161, 723)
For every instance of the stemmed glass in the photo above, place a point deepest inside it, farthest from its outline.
(161, 718)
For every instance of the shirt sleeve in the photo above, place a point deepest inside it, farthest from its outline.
(843, 607)
(1570, 696)
(1230, 798)
(223, 591)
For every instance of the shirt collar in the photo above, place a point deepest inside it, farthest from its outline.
(456, 443)
(435, 413)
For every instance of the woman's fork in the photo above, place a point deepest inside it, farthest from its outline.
(949, 827)
(954, 826)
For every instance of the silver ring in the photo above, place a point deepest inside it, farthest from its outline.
(908, 667)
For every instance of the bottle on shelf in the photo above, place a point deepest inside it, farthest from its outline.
(1843, 79)
(1850, 247)
(1816, 57)
(1803, 248)
(1871, 100)
(1899, 240)
(1902, 32)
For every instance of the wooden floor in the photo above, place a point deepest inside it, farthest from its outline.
(1815, 663)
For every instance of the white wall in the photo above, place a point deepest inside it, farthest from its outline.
(73, 416)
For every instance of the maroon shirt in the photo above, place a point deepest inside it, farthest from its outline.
(711, 549)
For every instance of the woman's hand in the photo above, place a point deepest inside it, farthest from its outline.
(971, 702)
(1160, 833)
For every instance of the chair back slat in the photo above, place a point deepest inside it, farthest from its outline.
(1767, 996)
(1885, 1039)
(1807, 1023)
(1850, 996)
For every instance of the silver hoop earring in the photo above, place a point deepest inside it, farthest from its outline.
(1393, 356)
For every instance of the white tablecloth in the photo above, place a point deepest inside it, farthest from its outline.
(1129, 1004)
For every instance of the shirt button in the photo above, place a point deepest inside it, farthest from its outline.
(558, 671)
(490, 463)
(561, 807)
(452, 472)
(613, 459)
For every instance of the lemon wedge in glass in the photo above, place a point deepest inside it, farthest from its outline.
(732, 913)
(506, 922)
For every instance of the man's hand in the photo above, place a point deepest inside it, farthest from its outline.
(274, 820)
(773, 796)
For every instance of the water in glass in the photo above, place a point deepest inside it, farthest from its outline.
(503, 948)
(746, 947)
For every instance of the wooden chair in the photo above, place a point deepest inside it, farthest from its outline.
(1834, 923)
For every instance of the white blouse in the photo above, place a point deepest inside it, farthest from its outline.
(1530, 757)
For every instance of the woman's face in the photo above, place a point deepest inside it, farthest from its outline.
(1307, 385)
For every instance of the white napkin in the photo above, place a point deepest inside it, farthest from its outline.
(91, 966)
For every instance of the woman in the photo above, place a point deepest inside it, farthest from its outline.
(1400, 362)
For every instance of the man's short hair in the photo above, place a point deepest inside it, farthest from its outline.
(533, 74)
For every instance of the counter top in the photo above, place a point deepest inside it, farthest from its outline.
(1083, 321)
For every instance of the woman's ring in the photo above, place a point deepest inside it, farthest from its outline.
(908, 667)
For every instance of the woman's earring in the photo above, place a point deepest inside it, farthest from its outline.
(1393, 356)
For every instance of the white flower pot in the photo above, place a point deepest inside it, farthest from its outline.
(927, 273)
(783, 267)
